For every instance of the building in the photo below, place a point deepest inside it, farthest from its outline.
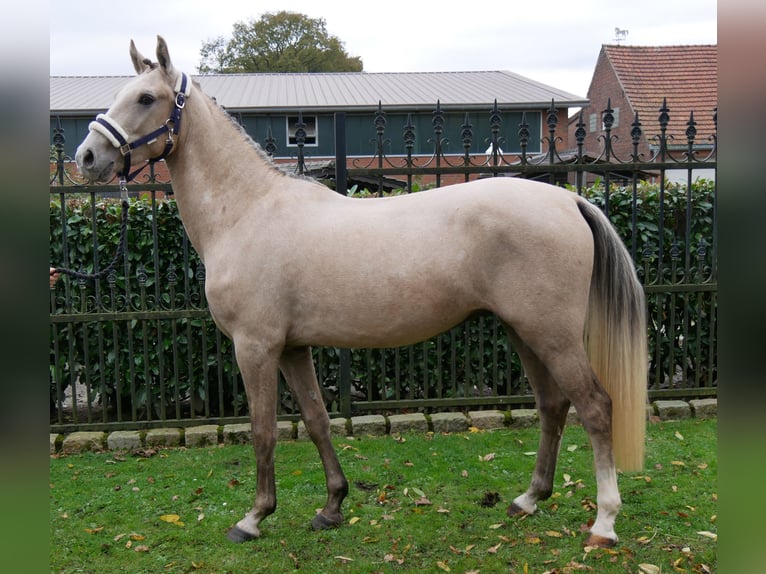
(270, 106)
(679, 83)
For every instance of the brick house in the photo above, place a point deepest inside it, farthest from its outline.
(638, 80)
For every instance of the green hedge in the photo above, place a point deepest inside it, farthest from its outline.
(155, 367)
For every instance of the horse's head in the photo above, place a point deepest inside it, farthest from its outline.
(142, 121)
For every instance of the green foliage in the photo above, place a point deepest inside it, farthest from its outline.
(139, 367)
(181, 365)
(682, 322)
(277, 42)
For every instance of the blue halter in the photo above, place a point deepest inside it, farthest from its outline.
(109, 128)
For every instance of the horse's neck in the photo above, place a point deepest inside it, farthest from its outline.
(213, 171)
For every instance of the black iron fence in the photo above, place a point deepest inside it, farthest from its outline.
(138, 349)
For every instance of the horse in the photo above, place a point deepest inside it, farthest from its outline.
(285, 272)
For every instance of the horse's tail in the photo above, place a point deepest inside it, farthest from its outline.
(616, 337)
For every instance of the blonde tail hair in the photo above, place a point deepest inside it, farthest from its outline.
(616, 338)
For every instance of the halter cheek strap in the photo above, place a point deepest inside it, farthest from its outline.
(118, 137)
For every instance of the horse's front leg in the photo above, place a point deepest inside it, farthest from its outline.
(298, 368)
(259, 373)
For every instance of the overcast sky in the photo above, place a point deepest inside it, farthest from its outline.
(555, 42)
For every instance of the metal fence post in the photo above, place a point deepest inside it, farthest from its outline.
(341, 186)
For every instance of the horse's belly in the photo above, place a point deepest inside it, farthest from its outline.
(374, 322)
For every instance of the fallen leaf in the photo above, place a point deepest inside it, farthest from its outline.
(554, 534)
(648, 569)
(496, 526)
(344, 558)
(443, 566)
(487, 457)
(678, 435)
(141, 548)
(677, 463)
(422, 501)
(708, 534)
(94, 530)
(533, 540)
(354, 520)
(572, 447)
(531, 453)
(172, 519)
(495, 548)
(392, 558)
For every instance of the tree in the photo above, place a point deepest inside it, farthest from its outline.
(277, 42)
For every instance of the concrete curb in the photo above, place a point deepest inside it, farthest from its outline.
(366, 425)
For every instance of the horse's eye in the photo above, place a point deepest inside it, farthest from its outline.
(146, 100)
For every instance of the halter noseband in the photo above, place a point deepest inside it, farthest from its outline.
(118, 137)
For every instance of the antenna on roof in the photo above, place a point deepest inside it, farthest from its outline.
(619, 35)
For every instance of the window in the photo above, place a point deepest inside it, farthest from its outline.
(309, 127)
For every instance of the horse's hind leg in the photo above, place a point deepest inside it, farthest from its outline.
(298, 368)
(569, 367)
(552, 407)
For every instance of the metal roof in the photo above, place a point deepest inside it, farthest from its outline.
(332, 92)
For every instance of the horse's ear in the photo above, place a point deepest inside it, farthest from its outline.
(163, 57)
(139, 62)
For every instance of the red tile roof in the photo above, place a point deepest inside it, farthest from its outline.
(686, 75)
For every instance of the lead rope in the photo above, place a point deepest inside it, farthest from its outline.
(120, 246)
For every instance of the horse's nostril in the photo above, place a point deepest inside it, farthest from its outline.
(88, 159)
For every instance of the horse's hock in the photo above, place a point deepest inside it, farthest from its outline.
(377, 425)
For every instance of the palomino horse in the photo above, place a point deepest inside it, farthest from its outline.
(284, 271)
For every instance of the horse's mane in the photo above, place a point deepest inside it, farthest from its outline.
(269, 160)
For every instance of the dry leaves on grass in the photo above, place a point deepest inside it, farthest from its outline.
(172, 519)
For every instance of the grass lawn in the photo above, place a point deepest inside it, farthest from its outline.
(417, 503)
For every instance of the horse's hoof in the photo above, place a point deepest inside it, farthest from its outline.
(236, 534)
(321, 522)
(515, 510)
(596, 541)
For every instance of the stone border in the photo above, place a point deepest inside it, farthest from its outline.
(366, 425)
